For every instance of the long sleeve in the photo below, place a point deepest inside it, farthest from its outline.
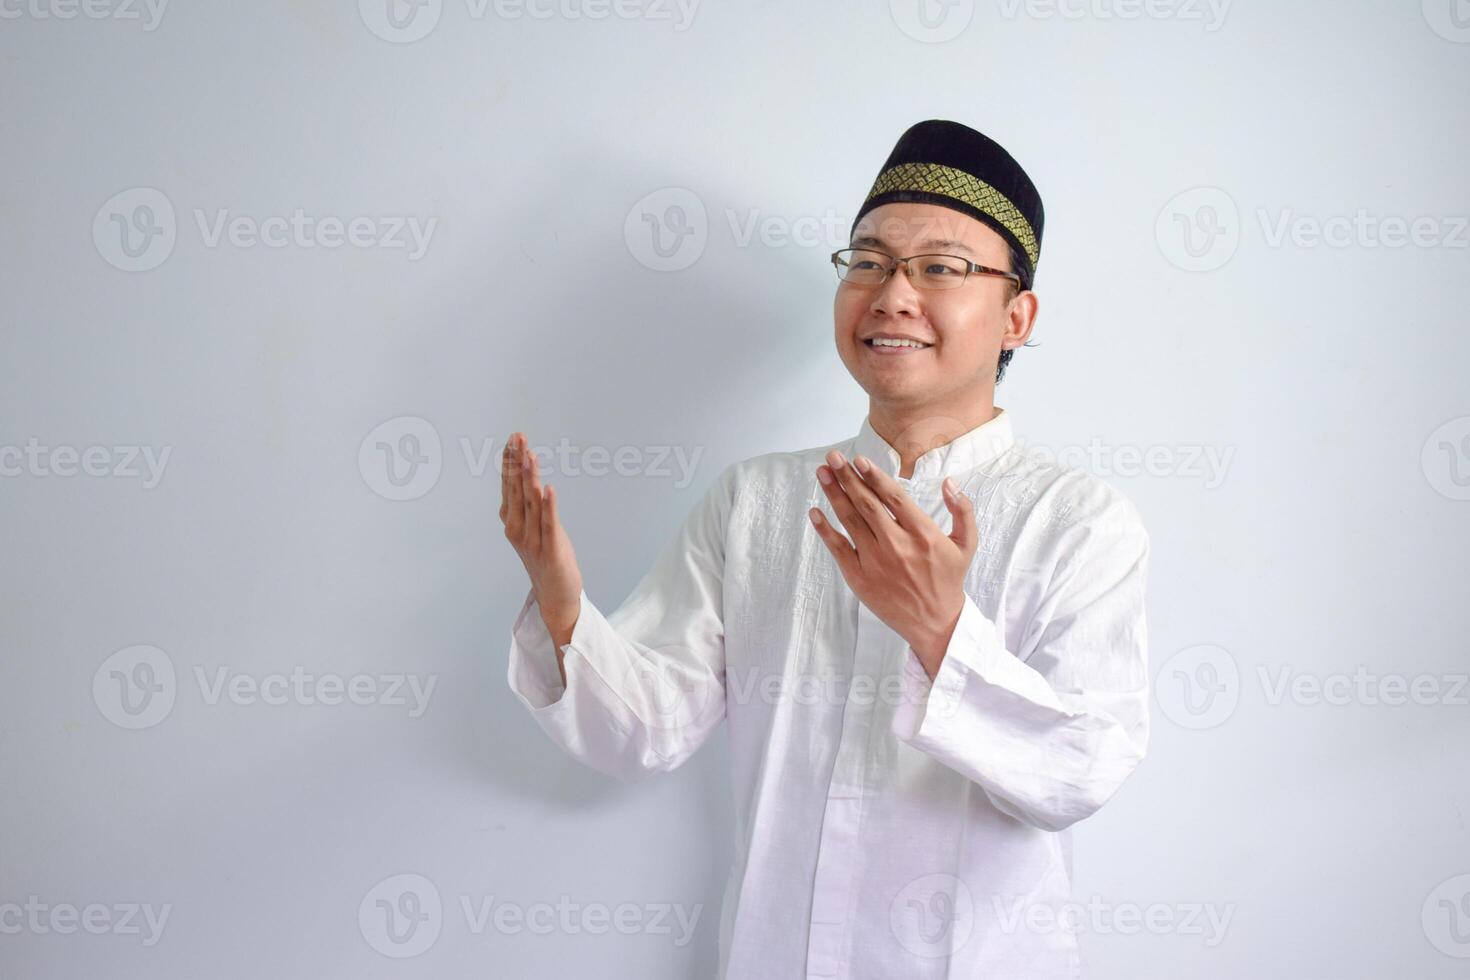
(645, 685)
(1050, 736)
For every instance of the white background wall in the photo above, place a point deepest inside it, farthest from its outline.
(1328, 380)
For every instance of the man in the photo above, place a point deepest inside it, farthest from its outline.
(917, 715)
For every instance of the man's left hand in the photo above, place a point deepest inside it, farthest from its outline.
(900, 563)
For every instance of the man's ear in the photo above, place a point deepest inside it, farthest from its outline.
(1020, 319)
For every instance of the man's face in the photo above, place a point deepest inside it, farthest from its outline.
(964, 326)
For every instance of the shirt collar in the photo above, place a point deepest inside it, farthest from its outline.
(966, 451)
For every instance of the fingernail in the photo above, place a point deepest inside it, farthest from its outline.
(815, 515)
(860, 463)
(949, 485)
(824, 476)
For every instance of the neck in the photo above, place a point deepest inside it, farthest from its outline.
(913, 431)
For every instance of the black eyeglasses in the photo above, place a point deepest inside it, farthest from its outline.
(870, 267)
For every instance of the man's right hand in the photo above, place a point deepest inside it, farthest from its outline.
(531, 526)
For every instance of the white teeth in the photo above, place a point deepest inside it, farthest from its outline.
(885, 342)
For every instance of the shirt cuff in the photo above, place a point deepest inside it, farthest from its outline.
(532, 672)
(926, 706)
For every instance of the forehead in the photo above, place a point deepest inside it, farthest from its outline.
(907, 225)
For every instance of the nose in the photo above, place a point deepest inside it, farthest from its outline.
(897, 295)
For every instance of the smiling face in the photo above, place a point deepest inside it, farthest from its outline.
(964, 328)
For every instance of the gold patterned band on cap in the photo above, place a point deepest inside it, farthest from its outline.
(938, 179)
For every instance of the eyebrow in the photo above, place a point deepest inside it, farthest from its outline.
(930, 243)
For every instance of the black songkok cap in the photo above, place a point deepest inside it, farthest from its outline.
(950, 164)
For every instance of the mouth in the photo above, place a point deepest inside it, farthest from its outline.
(895, 348)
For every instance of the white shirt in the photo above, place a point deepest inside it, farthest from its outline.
(885, 826)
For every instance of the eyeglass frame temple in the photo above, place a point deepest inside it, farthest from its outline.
(983, 270)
